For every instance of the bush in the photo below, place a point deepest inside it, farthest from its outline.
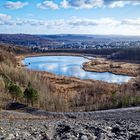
(15, 91)
(31, 94)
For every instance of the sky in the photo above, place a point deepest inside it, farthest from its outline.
(117, 17)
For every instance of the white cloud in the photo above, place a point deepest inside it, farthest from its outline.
(119, 4)
(82, 4)
(74, 21)
(47, 5)
(122, 3)
(93, 22)
(136, 3)
(4, 18)
(86, 4)
(64, 4)
(133, 22)
(76, 4)
(73, 25)
(15, 5)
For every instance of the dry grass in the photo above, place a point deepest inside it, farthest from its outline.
(103, 65)
(59, 93)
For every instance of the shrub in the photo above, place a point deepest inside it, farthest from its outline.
(15, 91)
(31, 94)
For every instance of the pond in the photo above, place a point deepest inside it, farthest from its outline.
(71, 66)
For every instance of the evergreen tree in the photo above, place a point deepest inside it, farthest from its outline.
(15, 91)
(31, 94)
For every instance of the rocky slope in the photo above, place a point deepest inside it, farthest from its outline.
(122, 124)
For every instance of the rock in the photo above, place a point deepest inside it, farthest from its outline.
(110, 135)
(109, 128)
(2, 137)
(135, 137)
(62, 128)
(71, 116)
(116, 129)
(84, 137)
(26, 134)
(10, 137)
(98, 127)
(1, 130)
(44, 136)
(16, 134)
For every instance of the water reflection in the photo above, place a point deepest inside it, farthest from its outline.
(71, 66)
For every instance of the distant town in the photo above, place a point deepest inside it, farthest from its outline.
(53, 42)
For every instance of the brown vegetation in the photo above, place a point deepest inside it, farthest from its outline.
(104, 65)
(59, 93)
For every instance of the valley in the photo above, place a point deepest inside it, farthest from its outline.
(70, 70)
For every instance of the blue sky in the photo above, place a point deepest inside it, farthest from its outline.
(70, 16)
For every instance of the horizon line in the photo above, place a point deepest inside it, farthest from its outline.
(70, 34)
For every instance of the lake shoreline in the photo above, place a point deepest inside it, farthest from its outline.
(84, 65)
(20, 58)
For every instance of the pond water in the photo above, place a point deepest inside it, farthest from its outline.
(70, 66)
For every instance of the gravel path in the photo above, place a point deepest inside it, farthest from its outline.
(122, 124)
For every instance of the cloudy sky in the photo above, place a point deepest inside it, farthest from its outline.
(70, 16)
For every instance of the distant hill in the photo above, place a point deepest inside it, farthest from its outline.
(90, 37)
(25, 40)
(58, 40)
(68, 37)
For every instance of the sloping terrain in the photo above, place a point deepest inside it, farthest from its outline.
(123, 124)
